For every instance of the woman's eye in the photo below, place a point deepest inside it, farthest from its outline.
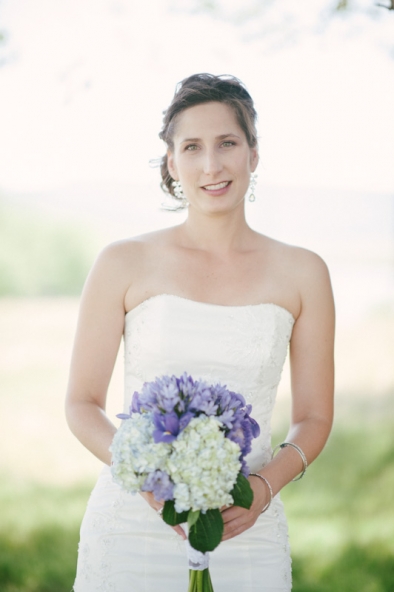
(228, 143)
(191, 147)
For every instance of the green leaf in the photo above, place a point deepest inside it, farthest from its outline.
(206, 533)
(170, 516)
(242, 493)
(192, 517)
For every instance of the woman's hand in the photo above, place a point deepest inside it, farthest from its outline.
(150, 498)
(236, 519)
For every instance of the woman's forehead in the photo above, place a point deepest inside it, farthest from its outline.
(211, 119)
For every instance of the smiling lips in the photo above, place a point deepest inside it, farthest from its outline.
(217, 187)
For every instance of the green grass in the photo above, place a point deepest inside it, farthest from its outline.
(39, 536)
(358, 568)
(40, 255)
(340, 515)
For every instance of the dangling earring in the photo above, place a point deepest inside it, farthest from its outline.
(178, 190)
(252, 186)
(180, 202)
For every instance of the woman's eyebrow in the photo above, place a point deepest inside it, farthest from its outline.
(221, 137)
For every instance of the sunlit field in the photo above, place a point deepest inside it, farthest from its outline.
(340, 515)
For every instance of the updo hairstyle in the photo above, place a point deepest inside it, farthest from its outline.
(205, 88)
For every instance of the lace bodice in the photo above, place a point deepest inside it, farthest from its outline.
(243, 347)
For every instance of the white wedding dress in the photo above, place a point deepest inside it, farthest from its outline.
(125, 546)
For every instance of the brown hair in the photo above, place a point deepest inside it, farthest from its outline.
(205, 88)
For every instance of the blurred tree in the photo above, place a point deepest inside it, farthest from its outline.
(388, 6)
(279, 24)
(2, 42)
(6, 53)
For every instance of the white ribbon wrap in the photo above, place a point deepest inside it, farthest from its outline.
(197, 560)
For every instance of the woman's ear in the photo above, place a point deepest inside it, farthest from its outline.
(254, 158)
(171, 165)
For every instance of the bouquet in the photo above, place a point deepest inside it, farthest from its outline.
(185, 441)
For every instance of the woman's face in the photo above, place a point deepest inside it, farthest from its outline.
(211, 158)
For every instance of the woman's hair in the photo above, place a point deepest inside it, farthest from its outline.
(205, 88)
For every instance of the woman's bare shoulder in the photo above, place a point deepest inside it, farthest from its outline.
(309, 275)
(118, 266)
(132, 249)
(301, 275)
(298, 260)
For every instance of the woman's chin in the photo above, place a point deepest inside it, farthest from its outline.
(217, 205)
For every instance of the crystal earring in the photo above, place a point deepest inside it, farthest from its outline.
(178, 190)
(252, 186)
(179, 202)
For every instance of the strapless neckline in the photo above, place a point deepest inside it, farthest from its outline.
(225, 307)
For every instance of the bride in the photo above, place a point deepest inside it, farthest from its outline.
(222, 302)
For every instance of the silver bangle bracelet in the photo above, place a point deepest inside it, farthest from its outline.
(269, 487)
(300, 452)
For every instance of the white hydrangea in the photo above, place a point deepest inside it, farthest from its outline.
(204, 466)
(135, 454)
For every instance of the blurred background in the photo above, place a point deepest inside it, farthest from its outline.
(82, 88)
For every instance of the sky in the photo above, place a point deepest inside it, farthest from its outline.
(82, 94)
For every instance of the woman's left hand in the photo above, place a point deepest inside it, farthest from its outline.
(237, 519)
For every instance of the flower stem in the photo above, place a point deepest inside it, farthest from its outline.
(200, 581)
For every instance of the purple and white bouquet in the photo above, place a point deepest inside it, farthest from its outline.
(185, 441)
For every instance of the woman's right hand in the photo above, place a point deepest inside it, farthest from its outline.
(150, 498)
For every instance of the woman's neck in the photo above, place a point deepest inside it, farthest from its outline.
(219, 233)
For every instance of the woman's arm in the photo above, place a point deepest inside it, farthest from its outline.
(312, 381)
(98, 335)
(99, 331)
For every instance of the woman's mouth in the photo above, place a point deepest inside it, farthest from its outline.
(217, 188)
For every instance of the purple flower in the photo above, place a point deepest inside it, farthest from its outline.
(187, 386)
(244, 468)
(168, 397)
(203, 400)
(123, 416)
(135, 406)
(160, 395)
(185, 420)
(167, 427)
(160, 484)
(174, 401)
(242, 434)
(227, 418)
(253, 423)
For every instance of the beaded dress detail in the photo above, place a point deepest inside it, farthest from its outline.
(125, 546)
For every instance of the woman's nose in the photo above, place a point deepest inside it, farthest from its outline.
(212, 162)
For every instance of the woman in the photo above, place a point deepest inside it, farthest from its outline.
(218, 300)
